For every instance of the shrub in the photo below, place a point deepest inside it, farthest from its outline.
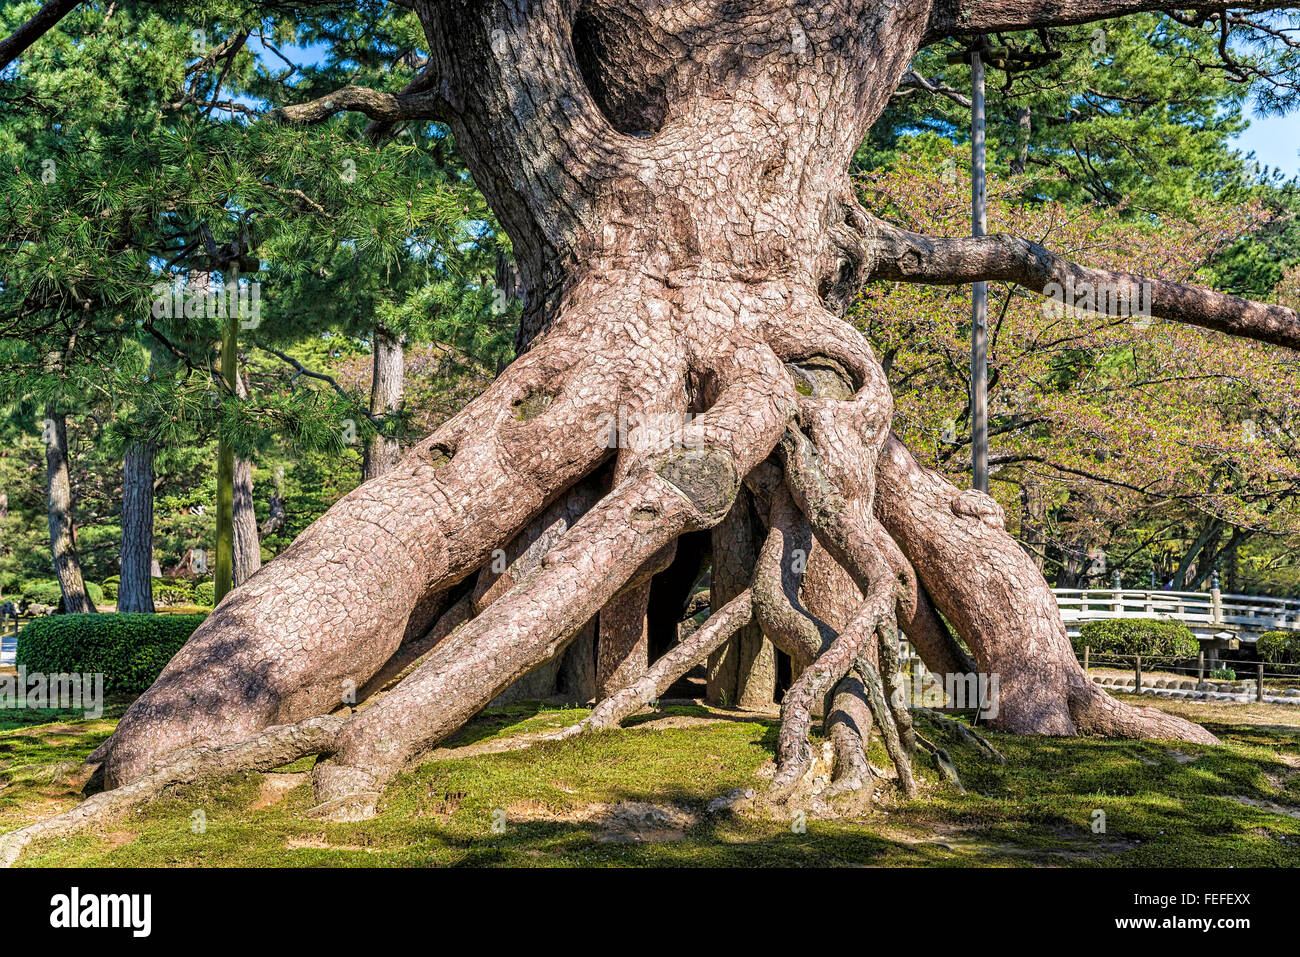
(129, 650)
(1137, 636)
(205, 593)
(1279, 647)
(1223, 674)
(110, 587)
(173, 591)
(46, 591)
(43, 591)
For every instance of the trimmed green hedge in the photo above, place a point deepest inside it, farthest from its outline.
(130, 650)
(1279, 647)
(1137, 636)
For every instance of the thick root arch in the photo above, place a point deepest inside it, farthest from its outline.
(796, 408)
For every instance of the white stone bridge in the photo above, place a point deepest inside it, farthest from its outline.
(1216, 618)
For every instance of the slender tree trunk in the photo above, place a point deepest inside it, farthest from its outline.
(58, 493)
(1033, 524)
(1024, 125)
(247, 548)
(383, 451)
(135, 592)
(247, 545)
(223, 574)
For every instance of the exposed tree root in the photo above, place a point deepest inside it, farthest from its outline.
(884, 716)
(803, 419)
(626, 701)
(848, 720)
(964, 732)
(942, 760)
(988, 588)
(268, 749)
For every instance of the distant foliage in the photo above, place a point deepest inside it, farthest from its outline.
(46, 591)
(1137, 636)
(129, 650)
(205, 593)
(1279, 647)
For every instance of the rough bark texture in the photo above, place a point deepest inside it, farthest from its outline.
(248, 549)
(63, 536)
(135, 591)
(657, 679)
(989, 589)
(674, 179)
(623, 645)
(742, 673)
(383, 449)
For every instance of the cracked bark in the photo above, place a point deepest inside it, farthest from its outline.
(674, 179)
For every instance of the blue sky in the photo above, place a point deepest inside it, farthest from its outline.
(1275, 141)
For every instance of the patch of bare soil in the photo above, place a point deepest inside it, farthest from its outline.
(276, 786)
(967, 841)
(319, 843)
(1271, 806)
(119, 838)
(625, 822)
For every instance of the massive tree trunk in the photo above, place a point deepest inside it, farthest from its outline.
(674, 179)
(63, 534)
(135, 590)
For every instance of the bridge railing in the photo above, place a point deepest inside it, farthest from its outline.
(1252, 613)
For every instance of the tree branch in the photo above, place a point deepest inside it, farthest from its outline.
(905, 256)
(379, 106)
(31, 31)
(955, 18)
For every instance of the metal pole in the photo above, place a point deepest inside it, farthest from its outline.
(979, 332)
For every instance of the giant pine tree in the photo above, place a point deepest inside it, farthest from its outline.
(674, 180)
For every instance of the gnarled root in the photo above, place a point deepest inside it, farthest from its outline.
(717, 629)
(886, 719)
(270, 748)
(848, 720)
(391, 562)
(988, 588)
(966, 733)
(300, 636)
(676, 491)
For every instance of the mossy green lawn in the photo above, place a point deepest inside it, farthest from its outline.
(558, 803)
